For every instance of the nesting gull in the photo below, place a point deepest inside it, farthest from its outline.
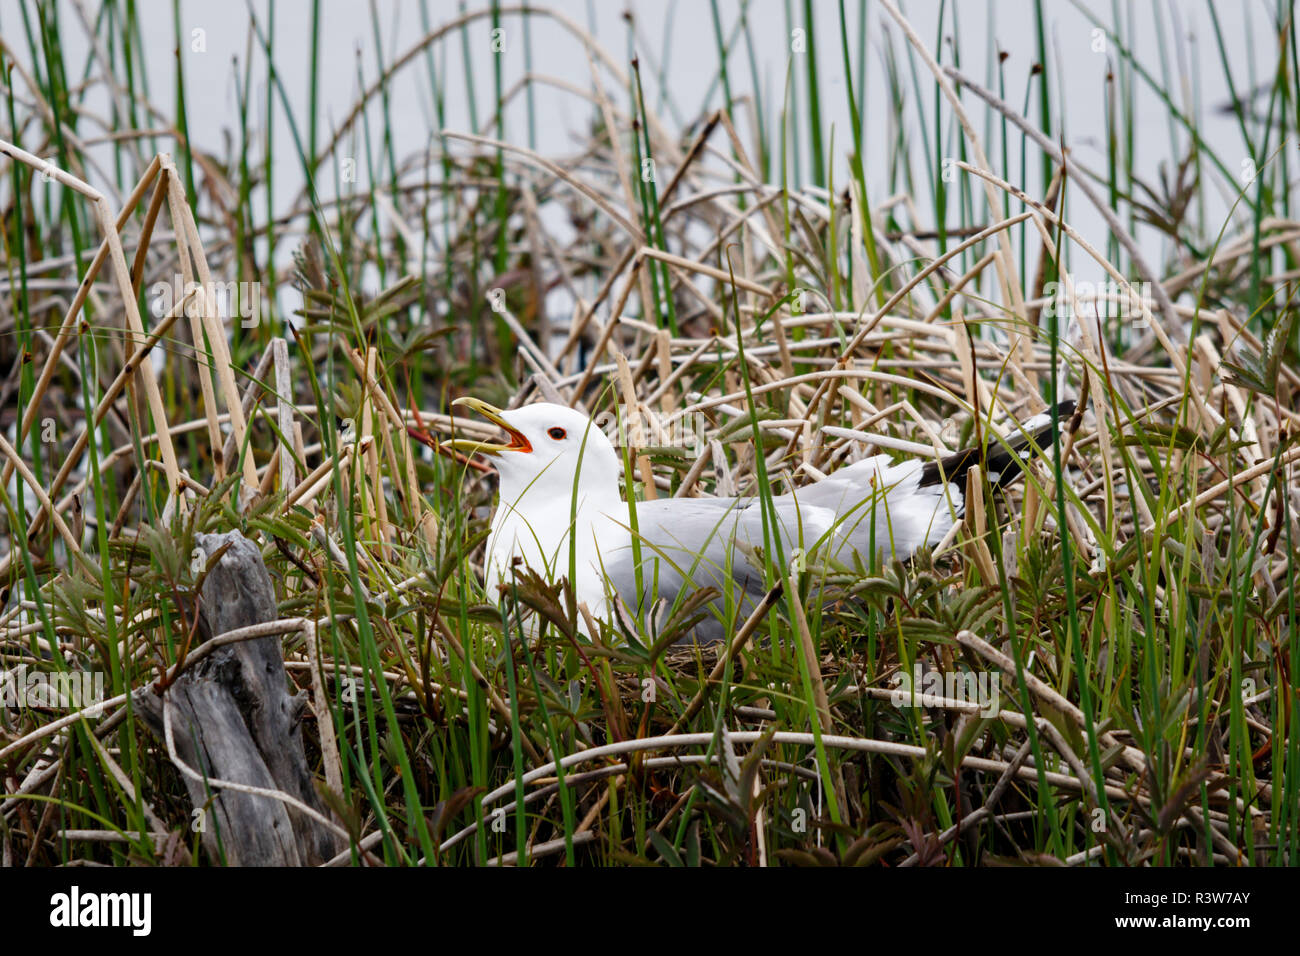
(559, 473)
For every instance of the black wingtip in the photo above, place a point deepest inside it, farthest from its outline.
(1002, 466)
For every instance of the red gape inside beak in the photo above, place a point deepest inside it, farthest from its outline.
(518, 441)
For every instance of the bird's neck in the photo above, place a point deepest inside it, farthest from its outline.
(533, 523)
(558, 495)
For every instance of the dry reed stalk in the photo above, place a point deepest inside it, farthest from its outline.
(187, 232)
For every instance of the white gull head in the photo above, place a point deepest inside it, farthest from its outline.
(557, 471)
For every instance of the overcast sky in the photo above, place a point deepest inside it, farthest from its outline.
(216, 36)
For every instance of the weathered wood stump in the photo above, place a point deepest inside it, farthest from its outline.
(233, 718)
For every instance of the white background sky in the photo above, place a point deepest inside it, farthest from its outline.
(348, 58)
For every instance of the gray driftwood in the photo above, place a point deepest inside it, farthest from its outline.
(233, 718)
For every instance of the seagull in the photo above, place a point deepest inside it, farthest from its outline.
(561, 513)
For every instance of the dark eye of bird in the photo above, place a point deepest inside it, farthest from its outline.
(557, 433)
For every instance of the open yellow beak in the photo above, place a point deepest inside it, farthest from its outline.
(493, 414)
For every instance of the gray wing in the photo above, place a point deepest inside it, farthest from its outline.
(870, 505)
(891, 509)
(899, 508)
(709, 542)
